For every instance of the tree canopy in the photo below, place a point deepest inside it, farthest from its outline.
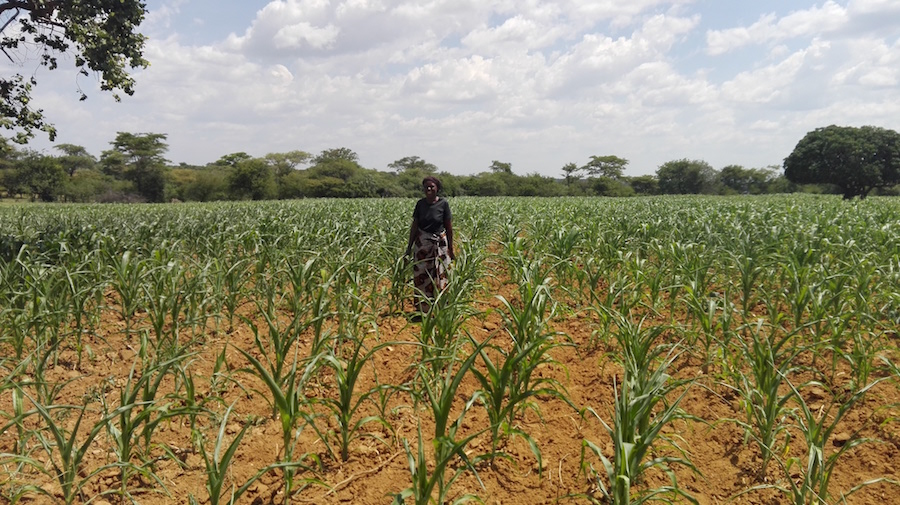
(285, 163)
(42, 176)
(606, 166)
(685, 177)
(100, 35)
(253, 179)
(570, 171)
(338, 153)
(139, 158)
(134, 169)
(855, 159)
(499, 167)
(742, 180)
(412, 164)
(74, 158)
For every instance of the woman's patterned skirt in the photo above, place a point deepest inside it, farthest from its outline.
(430, 263)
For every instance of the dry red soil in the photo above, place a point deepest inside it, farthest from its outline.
(726, 465)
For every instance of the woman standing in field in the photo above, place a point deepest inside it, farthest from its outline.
(430, 243)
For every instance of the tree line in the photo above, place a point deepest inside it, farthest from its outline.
(135, 169)
(101, 36)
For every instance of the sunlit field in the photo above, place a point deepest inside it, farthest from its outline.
(684, 349)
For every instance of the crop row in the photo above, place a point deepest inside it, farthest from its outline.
(788, 305)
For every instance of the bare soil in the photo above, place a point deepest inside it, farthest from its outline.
(727, 467)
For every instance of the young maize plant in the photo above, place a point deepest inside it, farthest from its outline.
(291, 407)
(770, 357)
(441, 327)
(510, 385)
(218, 466)
(587, 278)
(20, 457)
(66, 451)
(809, 484)
(232, 276)
(750, 266)
(84, 287)
(448, 443)
(141, 410)
(637, 426)
(322, 302)
(44, 306)
(621, 294)
(648, 275)
(639, 346)
(127, 281)
(563, 249)
(14, 310)
(277, 346)
(866, 346)
(345, 364)
(164, 295)
(713, 314)
(199, 300)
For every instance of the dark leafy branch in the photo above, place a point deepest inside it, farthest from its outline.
(101, 37)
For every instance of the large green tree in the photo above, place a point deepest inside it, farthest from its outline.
(335, 154)
(231, 160)
(139, 156)
(500, 167)
(754, 181)
(855, 159)
(253, 179)
(42, 177)
(685, 176)
(570, 171)
(286, 167)
(606, 166)
(97, 36)
(286, 163)
(75, 158)
(410, 170)
(413, 165)
(644, 184)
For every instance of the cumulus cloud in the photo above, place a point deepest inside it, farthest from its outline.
(298, 34)
(537, 83)
(466, 79)
(162, 17)
(598, 59)
(772, 29)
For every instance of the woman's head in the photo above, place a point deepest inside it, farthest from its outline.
(432, 180)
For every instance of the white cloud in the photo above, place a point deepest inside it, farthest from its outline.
(537, 83)
(764, 125)
(298, 34)
(770, 29)
(516, 31)
(880, 77)
(878, 7)
(280, 75)
(598, 60)
(658, 85)
(768, 83)
(874, 65)
(466, 79)
(162, 17)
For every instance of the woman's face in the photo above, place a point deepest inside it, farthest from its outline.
(430, 189)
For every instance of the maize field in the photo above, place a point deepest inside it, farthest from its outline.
(674, 349)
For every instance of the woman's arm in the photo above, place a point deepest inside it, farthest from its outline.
(448, 224)
(413, 231)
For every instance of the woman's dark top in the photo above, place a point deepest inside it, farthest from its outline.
(431, 216)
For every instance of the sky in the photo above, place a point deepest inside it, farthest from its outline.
(462, 83)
